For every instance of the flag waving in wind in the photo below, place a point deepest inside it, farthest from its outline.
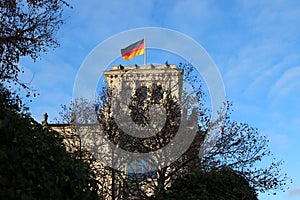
(135, 49)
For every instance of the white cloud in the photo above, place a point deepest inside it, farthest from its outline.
(279, 18)
(288, 85)
(269, 35)
(265, 78)
(295, 192)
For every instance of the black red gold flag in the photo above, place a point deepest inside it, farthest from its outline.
(135, 49)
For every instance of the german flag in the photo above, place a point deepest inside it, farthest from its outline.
(135, 49)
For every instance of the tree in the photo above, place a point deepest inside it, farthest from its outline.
(242, 148)
(238, 146)
(74, 119)
(27, 28)
(34, 163)
(219, 184)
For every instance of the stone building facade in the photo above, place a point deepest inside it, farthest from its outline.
(136, 87)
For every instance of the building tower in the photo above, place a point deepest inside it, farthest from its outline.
(168, 77)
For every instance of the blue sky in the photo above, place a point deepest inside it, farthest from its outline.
(255, 45)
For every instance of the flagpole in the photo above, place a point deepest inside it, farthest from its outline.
(145, 50)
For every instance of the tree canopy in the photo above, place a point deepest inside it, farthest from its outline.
(220, 184)
(27, 28)
(34, 163)
(238, 146)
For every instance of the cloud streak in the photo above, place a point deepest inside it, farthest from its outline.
(288, 85)
(294, 192)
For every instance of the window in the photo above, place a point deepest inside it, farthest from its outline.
(140, 169)
(157, 93)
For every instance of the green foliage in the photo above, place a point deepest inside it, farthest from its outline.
(216, 184)
(34, 163)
